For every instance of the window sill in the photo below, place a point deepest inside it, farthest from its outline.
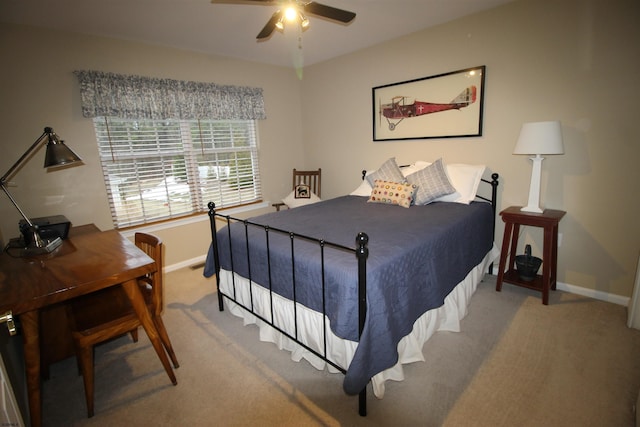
(190, 220)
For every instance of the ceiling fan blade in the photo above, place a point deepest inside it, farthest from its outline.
(271, 25)
(329, 12)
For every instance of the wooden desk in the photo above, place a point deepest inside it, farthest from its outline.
(56, 343)
(513, 218)
(84, 263)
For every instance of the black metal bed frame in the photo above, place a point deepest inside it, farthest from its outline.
(361, 253)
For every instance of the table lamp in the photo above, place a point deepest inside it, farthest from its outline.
(58, 154)
(538, 138)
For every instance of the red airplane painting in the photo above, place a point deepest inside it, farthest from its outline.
(399, 109)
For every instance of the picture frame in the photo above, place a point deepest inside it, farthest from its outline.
(448, 105)
(302, 191)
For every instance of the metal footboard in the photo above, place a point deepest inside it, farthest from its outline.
(360, 252)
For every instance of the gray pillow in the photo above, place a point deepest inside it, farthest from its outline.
(432, 183)
(389, 171)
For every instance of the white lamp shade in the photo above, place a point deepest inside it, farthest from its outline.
(540, 138)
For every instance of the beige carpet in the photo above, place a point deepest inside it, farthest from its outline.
(565, 364)
(516, 362)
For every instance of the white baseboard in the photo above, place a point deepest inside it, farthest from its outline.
(599, 295)
(591, 293)
(578, 290)
(187, 263)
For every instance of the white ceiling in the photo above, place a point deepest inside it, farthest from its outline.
(230, 29)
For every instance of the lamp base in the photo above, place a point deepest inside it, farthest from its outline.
(536, 209)
(534, 189)
(18, 248)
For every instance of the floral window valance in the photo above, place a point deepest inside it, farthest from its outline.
(136, 97)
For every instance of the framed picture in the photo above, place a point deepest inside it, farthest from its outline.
(443, 106)
(303, 191)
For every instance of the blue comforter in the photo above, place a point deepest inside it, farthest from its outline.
(416, 257)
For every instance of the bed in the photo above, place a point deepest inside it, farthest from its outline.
(367, 283)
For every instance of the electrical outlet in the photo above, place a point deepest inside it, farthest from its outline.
(559, 239)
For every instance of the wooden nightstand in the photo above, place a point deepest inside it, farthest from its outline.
(513, 218)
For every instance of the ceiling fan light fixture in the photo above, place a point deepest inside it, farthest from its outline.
(280, 23)
(304, 21)
(291, 13)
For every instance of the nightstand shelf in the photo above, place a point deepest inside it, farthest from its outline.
(513, 277)
(513, 218)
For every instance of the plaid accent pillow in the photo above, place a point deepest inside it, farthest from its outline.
(389, 171)
(432, 183)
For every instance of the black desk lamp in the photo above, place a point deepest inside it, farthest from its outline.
(58, 154)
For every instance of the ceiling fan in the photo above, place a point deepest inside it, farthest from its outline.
(294, 11)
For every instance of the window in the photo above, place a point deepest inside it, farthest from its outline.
(162, 169)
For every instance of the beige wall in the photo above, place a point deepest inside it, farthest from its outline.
(569, 60)
(38, 89)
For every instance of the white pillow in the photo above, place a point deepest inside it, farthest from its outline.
(420, 164)
(465, 178)
(408, 170)
(292, 202)
(364, 189)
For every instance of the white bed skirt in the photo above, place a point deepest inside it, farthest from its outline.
(341, 351)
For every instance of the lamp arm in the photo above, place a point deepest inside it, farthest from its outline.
(4, 188)
(17, 164)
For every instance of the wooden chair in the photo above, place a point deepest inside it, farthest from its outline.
(312, 178)
(101, 316)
